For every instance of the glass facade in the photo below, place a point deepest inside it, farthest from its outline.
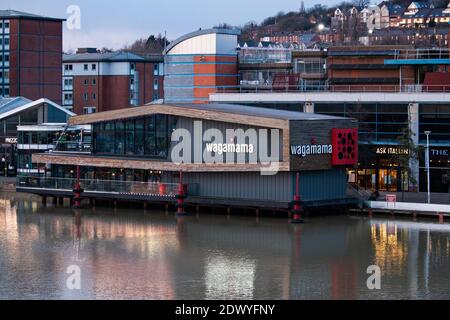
(378, 122)
(141, 137)
(434, 118)
(309, 65)
(37, 137)
(4, 58)
(265, 55)
(261, 77)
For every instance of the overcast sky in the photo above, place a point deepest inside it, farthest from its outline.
(113, 23)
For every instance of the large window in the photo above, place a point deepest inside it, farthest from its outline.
(309, 65)
(265, 55)
(377, 122)
(129, 137)
(150, 142)
(434, 118)
(145, 136)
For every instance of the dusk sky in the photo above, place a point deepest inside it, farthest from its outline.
(106, 23)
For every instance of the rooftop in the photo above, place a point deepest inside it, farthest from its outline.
(199, 33)
(109, 57)
(11, 106)
(218, 112)
(8, 104)
(12, 14)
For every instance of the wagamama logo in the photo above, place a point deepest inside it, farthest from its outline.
(311, 149)
(220, 148)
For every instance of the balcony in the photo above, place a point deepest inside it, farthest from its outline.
(420, 57)
(96, 186)
(73, 147)
(256, 87)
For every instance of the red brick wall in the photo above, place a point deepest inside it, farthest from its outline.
(36, 59)
(115, 92)
(146, 78)
(80, 88)
(211, 75)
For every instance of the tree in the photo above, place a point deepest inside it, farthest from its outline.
(151, 45)
(224, 25)
(106, 50)
(406, 142)
(361, 4)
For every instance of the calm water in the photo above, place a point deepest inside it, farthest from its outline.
(127, 253)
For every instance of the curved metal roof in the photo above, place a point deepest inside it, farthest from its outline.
(199, 33)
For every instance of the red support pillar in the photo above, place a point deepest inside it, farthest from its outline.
(296, 203)
(441, 217)
(77, 190)
(180, 197)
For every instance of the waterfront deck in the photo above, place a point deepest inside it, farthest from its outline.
(156, 192)
(409, 207)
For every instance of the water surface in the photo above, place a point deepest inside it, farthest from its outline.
(137, 254)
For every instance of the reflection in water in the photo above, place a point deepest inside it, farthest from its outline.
(229, 277)
(132, 254)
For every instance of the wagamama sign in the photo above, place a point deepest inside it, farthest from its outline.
(311, 149)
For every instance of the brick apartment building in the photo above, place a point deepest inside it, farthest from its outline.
(30, 55)
(95, 82)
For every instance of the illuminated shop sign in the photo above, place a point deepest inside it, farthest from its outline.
(392, 150)
(439, 152)
(311, 149)
(11, 140)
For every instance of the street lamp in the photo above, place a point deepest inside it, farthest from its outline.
(320, 27)
(427, 133)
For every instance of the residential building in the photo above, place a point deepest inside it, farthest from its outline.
(30, 55)
(95, 82)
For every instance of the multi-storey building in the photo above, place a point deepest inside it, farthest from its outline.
(30, 55)
(390, 90)
(94, 82)
(200, 63)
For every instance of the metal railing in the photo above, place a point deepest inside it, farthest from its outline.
(413, 54)
(267, 88)
(73, 146)
(105, 186)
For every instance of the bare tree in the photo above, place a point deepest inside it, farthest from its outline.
(151, 45)
(360, 4)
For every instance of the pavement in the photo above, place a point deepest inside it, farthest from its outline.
(418, 197)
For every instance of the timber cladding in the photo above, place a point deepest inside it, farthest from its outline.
(146, 164)
(309, 133)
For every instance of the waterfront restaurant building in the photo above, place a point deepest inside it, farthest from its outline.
(229, 155)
